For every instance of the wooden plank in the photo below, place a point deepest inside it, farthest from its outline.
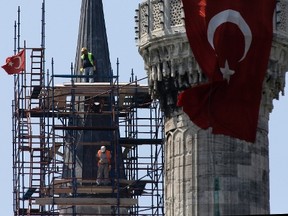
(86, 201)
(61, 181)
(65, 181)
(93, 89)
(121, 181)
(81, 189)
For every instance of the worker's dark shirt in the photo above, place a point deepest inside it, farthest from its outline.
(86, 63)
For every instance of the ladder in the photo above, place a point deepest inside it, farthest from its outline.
(36, 76)
(35, 130)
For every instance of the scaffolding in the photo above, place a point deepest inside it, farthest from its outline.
(50, 122)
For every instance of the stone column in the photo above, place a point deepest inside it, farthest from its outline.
(205, 174)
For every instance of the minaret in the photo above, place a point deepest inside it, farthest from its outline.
(92, 35)
(205, 174)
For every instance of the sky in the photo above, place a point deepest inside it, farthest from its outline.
(62, 20)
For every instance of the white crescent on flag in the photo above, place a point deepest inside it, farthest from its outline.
(235, 18)
(20, 62)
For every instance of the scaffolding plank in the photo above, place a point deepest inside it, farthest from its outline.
(69, 180)
(82, 189)
(61, 181)
(121, 181)
(94, 89)
(86, 201)
(136, 186)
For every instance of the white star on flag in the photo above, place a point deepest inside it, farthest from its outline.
(227, 72)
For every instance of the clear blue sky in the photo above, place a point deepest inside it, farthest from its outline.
(62, 19)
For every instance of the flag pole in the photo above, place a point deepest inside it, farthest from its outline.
(15, 37)
(18, 31)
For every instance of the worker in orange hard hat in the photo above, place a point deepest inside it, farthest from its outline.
(88, 65)
(104, 165)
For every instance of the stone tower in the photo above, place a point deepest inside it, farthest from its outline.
(206, 174)
(92, 35)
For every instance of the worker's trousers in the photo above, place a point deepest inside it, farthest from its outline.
(103, 174)
(89, 74)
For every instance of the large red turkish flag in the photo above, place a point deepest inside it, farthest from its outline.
(231, 41)
(15, 64)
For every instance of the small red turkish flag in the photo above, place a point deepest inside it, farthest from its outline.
(15, 64)
(231, 41)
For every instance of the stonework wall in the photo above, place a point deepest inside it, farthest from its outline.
(209, 174)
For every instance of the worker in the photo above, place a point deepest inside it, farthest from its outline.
(104, 165)
(88, 65)
(94, 105)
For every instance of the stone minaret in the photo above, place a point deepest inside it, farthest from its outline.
(206, 174)
(92, 34)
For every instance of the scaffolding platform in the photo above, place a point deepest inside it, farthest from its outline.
(124, 202)
(80, 190)
(122, 187)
